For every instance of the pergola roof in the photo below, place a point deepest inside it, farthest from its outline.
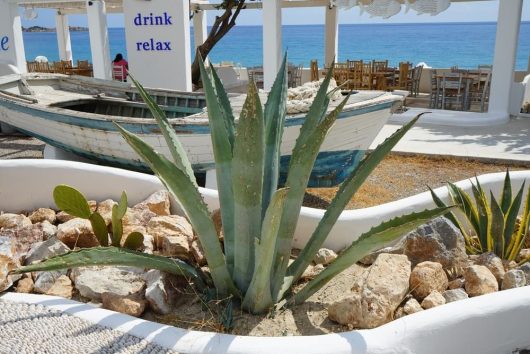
(116, 6)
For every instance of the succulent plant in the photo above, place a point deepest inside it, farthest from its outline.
(495, 226)
(258, 219)
(73, 202)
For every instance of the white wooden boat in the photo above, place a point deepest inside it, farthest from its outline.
(77, 114)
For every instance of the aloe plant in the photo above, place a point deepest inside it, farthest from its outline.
(494, 225)
(258, 219)
(73, 202)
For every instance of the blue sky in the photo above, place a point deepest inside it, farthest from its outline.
(457, 12)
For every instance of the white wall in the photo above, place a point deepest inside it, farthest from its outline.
(158, 42)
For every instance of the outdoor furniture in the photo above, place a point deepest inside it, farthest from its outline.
(295, 75)
(435, 98)
(83, 64)
(453, 90)
(340, 73)
(379, 66)
(256, 74)
(479, 89)
(414, 81)
(401, 78)
(314, 70)
(118, 73)
(355, 74)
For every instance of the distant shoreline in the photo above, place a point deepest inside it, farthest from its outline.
(52, 29)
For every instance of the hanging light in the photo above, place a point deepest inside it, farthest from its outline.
(30, 13)
(431, 7)
(343, 4)
(382, 8)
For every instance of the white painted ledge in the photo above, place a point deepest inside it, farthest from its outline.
(28, 184)
(452, 118)
(490, 324)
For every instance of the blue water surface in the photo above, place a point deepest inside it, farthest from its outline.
(439, 45)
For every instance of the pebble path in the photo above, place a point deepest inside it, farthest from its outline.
(28, 328)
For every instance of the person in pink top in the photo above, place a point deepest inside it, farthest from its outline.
(119, 62)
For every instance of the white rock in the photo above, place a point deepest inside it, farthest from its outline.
(479, 280)
(43, 214)
(92, 282)
(412, 306)
(77, 233)
(46, 249)
(493, 263)
(157, 202)
(48, 230)
(12, 221)
(159, 293)
(454, 295)
(373, 303)
(427, 277)
(432, 300)
(325, 256)
(105, 210)
(514, 278)
(173, 235)
(8, 261)
(45, 280)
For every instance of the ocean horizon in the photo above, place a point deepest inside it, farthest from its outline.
(462, 44)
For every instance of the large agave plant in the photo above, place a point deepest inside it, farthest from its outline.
(495, 226)
(258, 219)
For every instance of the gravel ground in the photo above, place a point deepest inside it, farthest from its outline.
(20, 147)
(26, 328)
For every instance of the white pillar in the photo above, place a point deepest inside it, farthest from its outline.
(200, 29)
(508, 24)
(272, 41)
(332, 35)
(99, 39)
(63, 36)
(11, 41)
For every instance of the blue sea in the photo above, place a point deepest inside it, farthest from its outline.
(439, 45)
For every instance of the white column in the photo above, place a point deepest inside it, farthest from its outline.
(200, 29)
(11, 41)
(508, 24)
(272, 41)
(99, 39)
(63, 36)
(332, 35)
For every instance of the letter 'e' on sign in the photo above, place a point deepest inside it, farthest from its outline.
(4, 43)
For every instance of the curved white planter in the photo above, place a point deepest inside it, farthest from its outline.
(27, 184)
(494, 323)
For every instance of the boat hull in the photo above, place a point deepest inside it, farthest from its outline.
(97, 139)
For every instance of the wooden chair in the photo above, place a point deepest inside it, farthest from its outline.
(479, 92)
(83, 64)
(256, 75)
(67, 64)
(355, 74)
(314, 70)
(118, 73)
(453, 90)
(367, 83)
(340, 73)
(401, 82)
(415, 80)
(379, 66)
(295, 75)
(58, 67)
(435, 99)
(31, 66)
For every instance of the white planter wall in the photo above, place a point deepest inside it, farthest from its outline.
(494, 323)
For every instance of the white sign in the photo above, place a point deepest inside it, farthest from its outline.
(11, 43)
(158, 42)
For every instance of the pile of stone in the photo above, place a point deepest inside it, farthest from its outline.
(428, 267)
(28, 238)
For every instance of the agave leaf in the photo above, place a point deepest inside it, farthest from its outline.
(343, 196)
(497, 227)
(506, 197)
(114, 256)
(302, 161)
(274, 116)
(483, 212)
(100, 229)
(134, 241)
(368, 242)
(247, 174)
(223, 161)
(258, 297)
(464, 202)
(71, 201)
(173, 143)
(470, 244)
(117, 226)
(224, 105)
(522, 233)
(180, 185)
(510, 219)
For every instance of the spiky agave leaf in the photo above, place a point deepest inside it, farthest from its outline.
(100, 256)
(302, 161)
(179, 184)
(368, 242)
(510, 219)
(247, 174)
(222, 148)
(522, 233)
(173, 143)
(483, 213)
(346, 191)
(506, 197)
(497, 227)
